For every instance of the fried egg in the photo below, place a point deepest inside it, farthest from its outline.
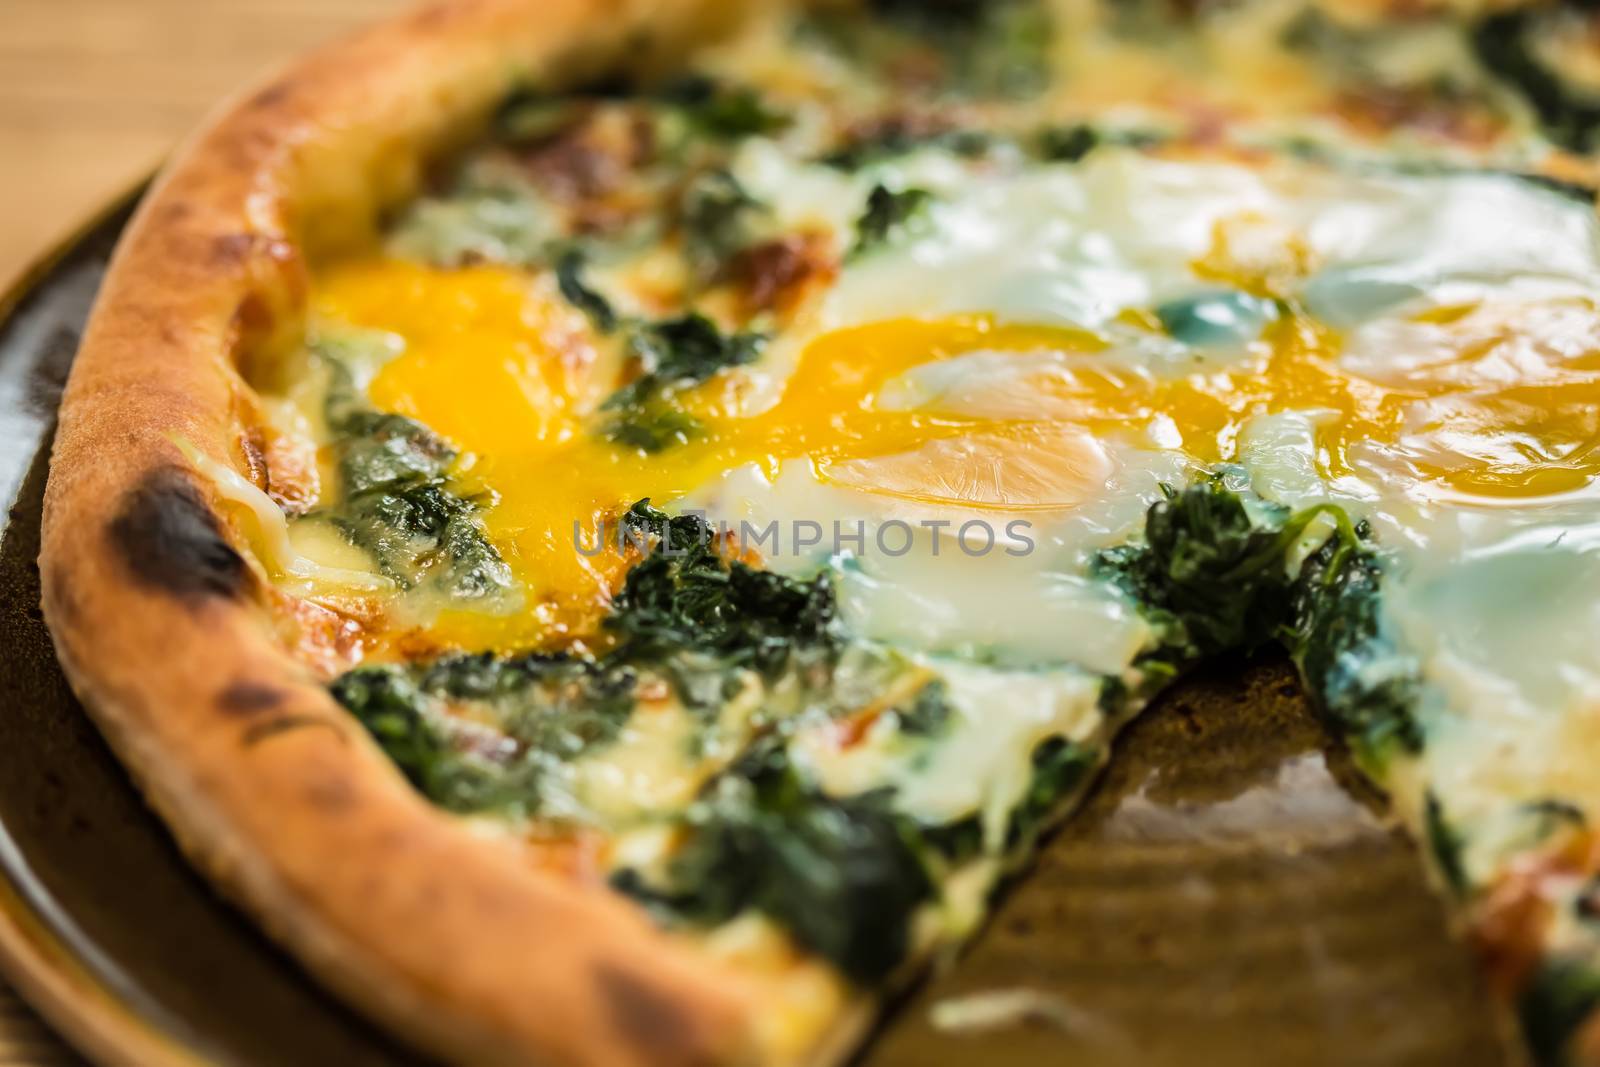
(1036, 358)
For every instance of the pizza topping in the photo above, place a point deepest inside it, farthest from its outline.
(1509, 46)
(886, 213)
(671, 354)
(399, 502)
(963, 46)
(1119, 351)
(838, 874)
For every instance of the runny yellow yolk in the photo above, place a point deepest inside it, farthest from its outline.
(510, 375)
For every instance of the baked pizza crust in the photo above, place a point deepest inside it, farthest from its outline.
(164, 626)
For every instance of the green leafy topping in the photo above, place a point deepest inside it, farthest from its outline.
(569, 279)
(929, 712)
(482, 732)
(686, 350)
(723, 111)
(989, 47)
(1445, 842)
(1071, 143)
(1366, 687)
(385, 451)
(398, 503)
(843, 875)
(888, 140)
(651, 427)
(714, 109)
(406, 724)
(552, 705)
(1212, 578)
(674, 353)
(530, 114)
(1560, 997)
(1059, 767)
(686, 597)
(493, 225)
(886, 215)
(719, 217)
(1503, 43)
(1067, 144)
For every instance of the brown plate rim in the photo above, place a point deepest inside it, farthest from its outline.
(57, 973)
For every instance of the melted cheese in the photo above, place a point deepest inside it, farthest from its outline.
(982, 765)
(998, 380)
(1051, 346)
(291, 560)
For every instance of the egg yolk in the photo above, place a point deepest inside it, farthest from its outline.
(509, 373)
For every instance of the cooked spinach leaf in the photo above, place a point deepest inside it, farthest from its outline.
(494, 225)
(719, 221)
(989, 47)
(685, 596)
(530, 113)
(888, 140)
(1560, 997)
(651, 427)
(1059, 767)
(385, 451)
(1211, 578)
(713, 108)
(685, 616)
(685, 350)
(398, 502)
(673, 353)
(569, 279)
(928, 713)
(479, 733)
(1364, 685)
(887, 214)
(1444, 841)
(839, 873)
(728, 112)
(1067, 144)
(409, 728)
(1503, 43)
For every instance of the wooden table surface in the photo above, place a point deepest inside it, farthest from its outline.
(93, 94)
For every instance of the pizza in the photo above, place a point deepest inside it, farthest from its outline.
(613, 528)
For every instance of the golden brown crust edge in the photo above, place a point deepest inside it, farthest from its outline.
(445, 934)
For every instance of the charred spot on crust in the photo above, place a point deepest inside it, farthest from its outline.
(272, 96)
(650, 1021)
(249, 698)
(283, 724)
(169, 540)
(232, 248)
(174, 211)
(330, 795)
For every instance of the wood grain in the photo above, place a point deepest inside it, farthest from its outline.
(93, 93)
